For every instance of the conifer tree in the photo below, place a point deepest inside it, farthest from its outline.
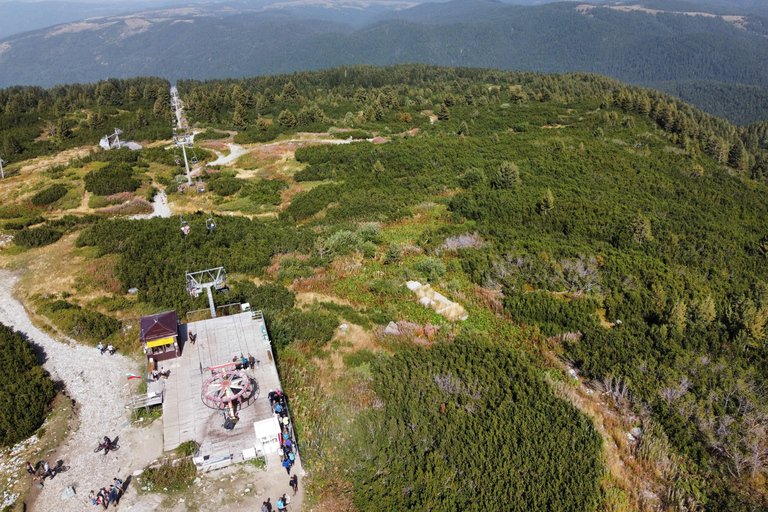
(286, 119)
(547, 202)
(506, 177)
(240, 117)
(443, 114)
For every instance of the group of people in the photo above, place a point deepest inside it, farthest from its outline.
(243, 363)
(280, 408)
(283, 501)
(109, 348)
(106, 496)
(155, 374)
(35, 470)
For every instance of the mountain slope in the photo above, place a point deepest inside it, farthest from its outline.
(647, 48)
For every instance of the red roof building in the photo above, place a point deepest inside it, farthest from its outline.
(160, 335)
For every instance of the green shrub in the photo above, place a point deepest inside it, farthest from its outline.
(480, 418)
(49, 195)
(342, 242)
(19, 224)
(369, 249)
(313, 327)
(431, 268)
(211, 134)
(82, 324)
(354, 134)
(359, 358)
(37, 237)
(171, 476)
(268, 296)
(225, 186)
(113, 178)
(25, 389)
(394, 253)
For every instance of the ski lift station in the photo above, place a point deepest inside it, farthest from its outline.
(113, 141)
(210, 396)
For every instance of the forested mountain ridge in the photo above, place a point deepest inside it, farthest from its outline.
(585, 224)
(701, 58)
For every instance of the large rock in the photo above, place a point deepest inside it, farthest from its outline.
(392, 329)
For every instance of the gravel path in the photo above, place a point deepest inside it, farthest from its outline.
(236, 151)
(160, 206)
(98, 385)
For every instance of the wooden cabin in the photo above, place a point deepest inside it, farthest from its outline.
(160, 335)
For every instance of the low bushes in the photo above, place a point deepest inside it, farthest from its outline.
(19, 224)
(115, 177)
(83, 324)
(49, 195)
(25, 389)
(170, 475)
(37, 237)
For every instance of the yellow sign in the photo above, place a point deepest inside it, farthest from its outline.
(157, 343)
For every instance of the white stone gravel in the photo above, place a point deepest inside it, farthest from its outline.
(98, 385)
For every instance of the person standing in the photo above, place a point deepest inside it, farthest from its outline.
(47, 470)
(32, 471)
(264, 507)
(294, 483)
(269, 505)
(119, 489)
(280, 504)
(92, 497)
(287, 465)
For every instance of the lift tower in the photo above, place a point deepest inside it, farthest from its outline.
(206, 279)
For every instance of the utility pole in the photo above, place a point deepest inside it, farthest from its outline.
(2, 172)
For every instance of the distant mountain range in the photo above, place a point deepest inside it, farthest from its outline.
(718, 62)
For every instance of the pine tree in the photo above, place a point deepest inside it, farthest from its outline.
(134, 95)
(286, 119)
(506, 177)
(443, 114)
(736, 156)
(240, 117)
(141, 119)
(640, 229)
(11, 146)
(547, 202)
(378, 168)
(290, 91)
(378, 110)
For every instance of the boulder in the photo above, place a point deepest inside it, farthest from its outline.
(392, 329)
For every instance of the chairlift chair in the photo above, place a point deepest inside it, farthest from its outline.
(194, 158)
(200, 186)
(185, 227)
(210, 223)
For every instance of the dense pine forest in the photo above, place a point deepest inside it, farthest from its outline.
(586, 225)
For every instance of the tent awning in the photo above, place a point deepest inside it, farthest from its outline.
(157, 343)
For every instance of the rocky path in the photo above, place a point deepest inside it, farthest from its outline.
(160, 208)
(99, 387)
(235, 152)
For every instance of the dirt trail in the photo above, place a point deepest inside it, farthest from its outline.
(98, 385)
(160, 206)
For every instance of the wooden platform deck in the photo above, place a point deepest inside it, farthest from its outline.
(186, 417)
